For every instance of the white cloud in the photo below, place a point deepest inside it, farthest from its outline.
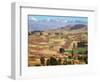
(34, 19)
(66, 21)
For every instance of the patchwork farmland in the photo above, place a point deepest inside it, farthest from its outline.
(72, 39)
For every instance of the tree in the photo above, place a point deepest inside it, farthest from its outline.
(61, 50)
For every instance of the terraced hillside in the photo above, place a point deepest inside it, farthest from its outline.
(48, 43)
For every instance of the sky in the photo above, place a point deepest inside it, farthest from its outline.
(42, 22)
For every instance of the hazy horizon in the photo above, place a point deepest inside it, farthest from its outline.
(41, 23)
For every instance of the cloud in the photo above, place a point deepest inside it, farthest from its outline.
(34, 19)
(66, 21)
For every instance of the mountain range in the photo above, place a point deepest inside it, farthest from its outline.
(76, 27)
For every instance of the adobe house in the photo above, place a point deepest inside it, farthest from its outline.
(79, 44)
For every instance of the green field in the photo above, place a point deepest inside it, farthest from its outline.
(78, 51)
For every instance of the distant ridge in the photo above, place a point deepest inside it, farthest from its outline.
(78, 26)
(75, 27)
(71, 27)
